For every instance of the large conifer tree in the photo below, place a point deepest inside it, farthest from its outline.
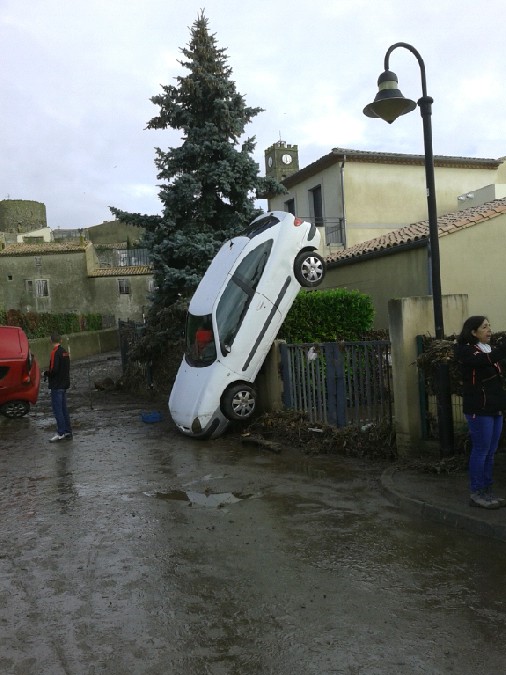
(208, 184)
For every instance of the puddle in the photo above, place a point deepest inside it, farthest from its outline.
(212, 499)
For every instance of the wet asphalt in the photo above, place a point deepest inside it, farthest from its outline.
(134, 550)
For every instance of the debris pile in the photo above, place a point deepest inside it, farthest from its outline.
(294, 429)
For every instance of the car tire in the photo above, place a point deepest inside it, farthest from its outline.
(309, 268)
(239, 402)
(15, 409)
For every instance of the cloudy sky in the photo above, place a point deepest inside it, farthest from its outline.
(76, 78)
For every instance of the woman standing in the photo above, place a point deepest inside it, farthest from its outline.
(484, 399)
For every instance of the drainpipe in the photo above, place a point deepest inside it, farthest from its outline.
(341, 173)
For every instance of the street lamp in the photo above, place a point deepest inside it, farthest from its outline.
(389, 104)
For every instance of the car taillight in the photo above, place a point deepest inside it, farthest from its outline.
(297, 222)
(26, 379)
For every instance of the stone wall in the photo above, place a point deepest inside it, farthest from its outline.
(22, 215)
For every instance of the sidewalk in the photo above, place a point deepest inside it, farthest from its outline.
(444, 498)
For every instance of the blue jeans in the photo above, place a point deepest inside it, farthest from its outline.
(485, 433)
(59, 405)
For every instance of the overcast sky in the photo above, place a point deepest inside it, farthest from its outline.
(76, 79)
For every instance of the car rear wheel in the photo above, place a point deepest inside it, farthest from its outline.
(309, 268)
(239, 402)
(15, 408)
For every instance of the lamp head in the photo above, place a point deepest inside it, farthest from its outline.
(389, 103)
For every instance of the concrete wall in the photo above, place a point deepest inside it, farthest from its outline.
(409, 317)
(79, 345)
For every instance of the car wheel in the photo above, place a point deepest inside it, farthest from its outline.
(309, 268)
(239, 402)
(15, 408)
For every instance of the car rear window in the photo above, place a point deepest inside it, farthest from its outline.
(259, 226)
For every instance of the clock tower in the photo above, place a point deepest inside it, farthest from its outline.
(281, 160)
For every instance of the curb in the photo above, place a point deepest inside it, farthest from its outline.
(439, 514)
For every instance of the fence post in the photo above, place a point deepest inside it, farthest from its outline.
(336, 386)
(286, 374)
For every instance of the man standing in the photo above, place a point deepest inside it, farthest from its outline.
(58, 377)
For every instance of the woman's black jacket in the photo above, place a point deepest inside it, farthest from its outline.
(482, 392)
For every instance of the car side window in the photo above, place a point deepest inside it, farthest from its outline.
(238, 293)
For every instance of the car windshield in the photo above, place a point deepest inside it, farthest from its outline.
(200, 345)
(237, 295)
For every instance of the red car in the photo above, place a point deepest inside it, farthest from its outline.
(19, 373)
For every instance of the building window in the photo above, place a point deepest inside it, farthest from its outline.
(316, 205)
(290, 206)
(29, 286)
(124, 286)
(41, 288)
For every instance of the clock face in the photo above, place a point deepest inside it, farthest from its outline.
(269, 161)
(286, 159)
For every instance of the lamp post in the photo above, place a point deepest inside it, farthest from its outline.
(389, 104)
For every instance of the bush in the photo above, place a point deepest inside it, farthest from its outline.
(41, 325)
(329, 315)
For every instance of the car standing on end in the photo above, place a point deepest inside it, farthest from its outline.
(235, 315)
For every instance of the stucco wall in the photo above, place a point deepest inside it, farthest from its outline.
(409, 317)
(383, 278)
(380, 197)
(473, 262)
(106, 299)
(70, 287)
(114, 232)
(63, 271)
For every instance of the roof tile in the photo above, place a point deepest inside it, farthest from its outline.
(447, 224)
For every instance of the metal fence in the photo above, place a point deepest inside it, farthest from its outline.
(339, 384)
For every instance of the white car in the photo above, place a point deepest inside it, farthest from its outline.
(235, 315)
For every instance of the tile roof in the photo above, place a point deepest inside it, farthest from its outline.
(126, 271)
(46, 248)
(418, 233)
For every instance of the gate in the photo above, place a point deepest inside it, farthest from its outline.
(339, 384)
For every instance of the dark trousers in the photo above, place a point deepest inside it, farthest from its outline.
(59, 405)
(485, 434)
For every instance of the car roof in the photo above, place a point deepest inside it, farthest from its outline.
(13, 343)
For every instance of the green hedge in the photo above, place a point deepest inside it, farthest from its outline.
(326, 316)
(42, 325)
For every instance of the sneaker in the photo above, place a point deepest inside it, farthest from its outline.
(68, 437)
(57, 437)
(483, 500)
(490, 495)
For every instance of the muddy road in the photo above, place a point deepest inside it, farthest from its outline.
(135, 551)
